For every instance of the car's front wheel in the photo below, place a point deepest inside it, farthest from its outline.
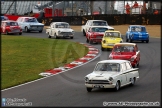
(71, 37)
(91, 41)
(117, 87)
(26, 29)
(87, 40)
(89, 89)
(49, 35)
(7, 32)
(55, 36)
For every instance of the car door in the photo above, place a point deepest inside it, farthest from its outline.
(128, 71)
(123, 76)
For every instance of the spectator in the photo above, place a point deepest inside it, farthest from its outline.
(127, 9)
(135, 5)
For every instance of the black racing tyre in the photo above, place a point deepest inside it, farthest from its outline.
(84, 33)
(117, 87)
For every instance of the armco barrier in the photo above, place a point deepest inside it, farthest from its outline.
(112, 19)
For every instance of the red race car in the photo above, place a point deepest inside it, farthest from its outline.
(10, 27)
(126, 51)
(95, 34)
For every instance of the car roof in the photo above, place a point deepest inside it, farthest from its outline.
(137, 25)
(99, 26)
(97, 20)
(113, 61)
(9, 21)
(125, 44)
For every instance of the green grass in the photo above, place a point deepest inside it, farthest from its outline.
(23, 58)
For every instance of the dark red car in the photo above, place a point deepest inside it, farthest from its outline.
(126, 51)
(95, 34)
(10, 27)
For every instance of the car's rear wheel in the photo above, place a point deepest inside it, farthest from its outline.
(147, 41)
(84, 33)
(130, 40)
(132, 80)
(102, 48)
(20, 33)
(40, 31)
(126, 39)
(89, 89)
(117, 87)
(71, 37)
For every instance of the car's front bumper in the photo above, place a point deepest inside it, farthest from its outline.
(106, 45)
(36, 28)
(95, 40)
(100, 85)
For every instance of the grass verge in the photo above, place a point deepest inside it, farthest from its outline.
(23, 58)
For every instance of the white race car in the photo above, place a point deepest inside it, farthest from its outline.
(111, 74)
(60, 29)
(30, 24)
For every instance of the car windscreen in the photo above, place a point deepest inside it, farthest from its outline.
(107, 67)
(11, 23)
(97, 29)
(123, 48)
(100, 23)
(62, 25)
(112, 34)
(31, 20)
(138, 29)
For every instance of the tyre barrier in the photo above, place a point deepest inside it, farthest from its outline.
(92, 53)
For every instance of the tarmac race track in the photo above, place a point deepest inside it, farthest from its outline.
(68, 89)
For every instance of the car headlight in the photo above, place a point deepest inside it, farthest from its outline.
(110, 57)
(73, 32)
(59, 32)
(104, 41)
(132, 58)
(86, 79)
(110, 79)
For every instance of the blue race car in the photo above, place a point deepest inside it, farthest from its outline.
(137, 33)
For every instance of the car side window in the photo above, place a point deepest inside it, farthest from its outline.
(128, 66)
(123, 67)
